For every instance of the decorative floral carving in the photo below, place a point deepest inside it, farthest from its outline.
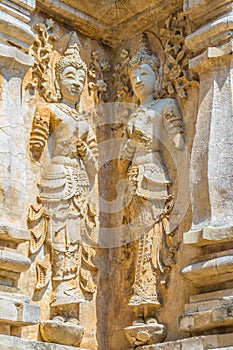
(41, 50)
(123, 89)
(176, 75)
(177, 78)
(97, 80)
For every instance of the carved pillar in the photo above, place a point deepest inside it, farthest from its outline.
(15, 38)
(211, 170)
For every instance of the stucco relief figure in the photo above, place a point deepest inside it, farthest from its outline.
(149, 182)
(63, 215)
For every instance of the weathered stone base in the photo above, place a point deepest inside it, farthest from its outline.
(150, 333)
(14, 343)
(218, 341)
(16, 310)
(208, 235)
(61, 332)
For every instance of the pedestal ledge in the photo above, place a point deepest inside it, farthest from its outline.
(209, 319)
(66, 333)
(210, 271)
(216, 341)
(208, 235)
(13, 261)
(20, 57)
(11, 233)
(13, 343)
(15, 310)
(151, 333)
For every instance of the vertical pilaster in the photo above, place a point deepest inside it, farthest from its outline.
(15, 39)
(211, 172)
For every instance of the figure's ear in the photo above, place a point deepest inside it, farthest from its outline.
(57, 89)
(158, 84)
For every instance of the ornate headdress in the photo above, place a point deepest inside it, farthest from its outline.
(144, 55)
(71, 56)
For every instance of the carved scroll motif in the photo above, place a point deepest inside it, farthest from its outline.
(177, 77)
(121, 81)
(97, 84)
(41, 50)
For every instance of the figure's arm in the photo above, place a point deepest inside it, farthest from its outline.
(174, 124)
(40, 131)
(87, 151)
(126, 156)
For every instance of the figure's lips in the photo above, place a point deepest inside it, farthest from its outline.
(139, 86)
(75, 89)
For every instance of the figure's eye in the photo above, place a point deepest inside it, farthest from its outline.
(143, 73)
(70, 75)
(81, 79)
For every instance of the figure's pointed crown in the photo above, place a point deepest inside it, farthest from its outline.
(144, 55)
(71, 56)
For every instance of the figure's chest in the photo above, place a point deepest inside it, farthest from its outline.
(147, 121)
(67, 126)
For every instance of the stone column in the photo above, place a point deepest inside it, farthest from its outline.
(211, 161)
(210, 309)
(15, 39)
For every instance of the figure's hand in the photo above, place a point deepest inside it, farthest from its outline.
(136, 135)
(81, 148)
(179, 142)
(36, 150)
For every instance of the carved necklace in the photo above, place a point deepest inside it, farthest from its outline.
(147, 106)
(69, 110)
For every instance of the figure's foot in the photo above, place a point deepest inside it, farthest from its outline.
(59, 319)
(138, 321)
(151, 320)
(73, 321)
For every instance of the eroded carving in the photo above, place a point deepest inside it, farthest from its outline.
(97, 78)
(177, 78)
(123, 90)
(151, 203)
(41, 50)
(64, 217)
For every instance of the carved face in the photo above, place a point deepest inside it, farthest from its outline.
(143, 81)
(71, 83)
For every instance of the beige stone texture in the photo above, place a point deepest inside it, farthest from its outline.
(116, 175)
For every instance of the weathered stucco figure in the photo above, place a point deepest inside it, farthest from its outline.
(151, 202)
(61, 217)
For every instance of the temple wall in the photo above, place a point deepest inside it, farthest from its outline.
(116, 175)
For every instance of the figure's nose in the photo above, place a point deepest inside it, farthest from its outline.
(77, 83)
(138, 80)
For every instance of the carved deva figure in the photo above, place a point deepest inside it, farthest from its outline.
(63, 216)
(148, 210)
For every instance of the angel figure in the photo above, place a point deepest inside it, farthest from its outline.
(151, 202)
(63, 215)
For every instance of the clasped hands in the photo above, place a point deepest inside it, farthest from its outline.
(136, 135)
(81, 148)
